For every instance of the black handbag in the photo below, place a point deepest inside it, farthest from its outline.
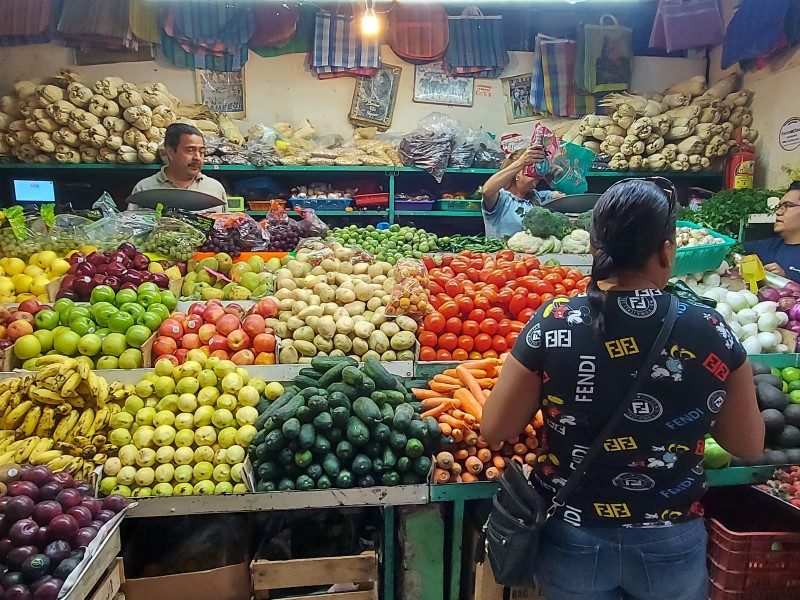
(518, 510)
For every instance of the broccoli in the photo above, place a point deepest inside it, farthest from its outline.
(585, 221)
(543, 223)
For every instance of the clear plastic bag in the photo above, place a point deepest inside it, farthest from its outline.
(410, 292)
(463, 153)
(283, 232)
(20, 230)
(311, 226)
(115, 228)
(316, 249)
(68, 232)
(174, 239)
(235, 233)
(429, 146)
(488, 153)
(359, 255)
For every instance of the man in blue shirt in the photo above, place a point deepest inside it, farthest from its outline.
(781, 255)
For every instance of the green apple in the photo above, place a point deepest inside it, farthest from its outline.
(79, 311)
(45, 338)
(102, 293)
(147, 286)
(124, 296)
(150, 320)
(102, 332)
(63, 305)
(137, 335)
(107, 485)
(102, 312)
(108, 362)
(82, 326)
(148, 298)
(66, 343)
(90, 344)
(159, 309)
(131, 359)
(114, 344)
(133, 308)
(27, 346)
(120, 322)
(46, 319)
(169, 299)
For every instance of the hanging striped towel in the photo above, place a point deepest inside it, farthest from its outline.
(477, 45)
(179, 57)
(27, 22)
(144, 20)
(103, 23)
(340, 49)
(553, 90)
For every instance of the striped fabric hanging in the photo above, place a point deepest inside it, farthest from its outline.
(340, 48)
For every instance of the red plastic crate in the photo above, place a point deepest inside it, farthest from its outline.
(372, 200)
(717, 593)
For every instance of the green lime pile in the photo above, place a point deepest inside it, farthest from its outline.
(388, 245)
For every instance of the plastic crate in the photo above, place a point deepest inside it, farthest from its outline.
(372, 200)
(459, 205)
(763, 565)
(413, 204)
(698, 259)
(322, 203)
(265, 205)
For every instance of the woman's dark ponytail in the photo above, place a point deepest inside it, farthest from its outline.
(602, 268)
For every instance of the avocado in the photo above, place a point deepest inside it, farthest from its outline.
(774, 421)
(792, 415)
(793, 456)
(769, 397)
(789, 437)
(35, 567)
(770, 380)
(775, 457)
(761, 369)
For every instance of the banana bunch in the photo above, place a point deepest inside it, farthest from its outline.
(62, 379)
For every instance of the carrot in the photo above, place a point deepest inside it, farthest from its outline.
(470, 437)
(530, 431)
(538, 420)
(532, 443)
(450, 373)
(460, 414)
(450, 420)
(469, 403)
(482, 443)
(517, 458)
(441, 476)
(478, 373)
(443, 388)
(484, 454)
(468, 478)
(472, 450)
(496, 447)
(457, 434)
(447, 380)
(445, 429)
(457, 469)
(484, 363)
(444, 460)
(512, 440)
(486, 383)
(493, 473)
(473, 465)
(459, 478)
(499, 462)
(461, 454)
(434, 402)
(472, 384)
(422, 394)
(530, 458)
(520, 449)
(436, 411)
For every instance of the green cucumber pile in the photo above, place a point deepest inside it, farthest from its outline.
(342, 426)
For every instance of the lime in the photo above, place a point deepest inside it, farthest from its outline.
(784, 387)
(790, 374)
(775, 371)
(794, 385)
(794, 397)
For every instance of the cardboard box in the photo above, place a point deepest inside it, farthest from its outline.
(486, 588)
(225, 583)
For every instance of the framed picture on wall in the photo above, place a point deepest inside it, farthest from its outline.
(221, 91)
(517, 91)
(433, 86)
(374, 98)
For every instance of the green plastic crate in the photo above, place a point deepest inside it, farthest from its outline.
(458, 205)
(699, 259)
(779, 361)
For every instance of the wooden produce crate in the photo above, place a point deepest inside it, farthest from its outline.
(270, 577)
(109, 586)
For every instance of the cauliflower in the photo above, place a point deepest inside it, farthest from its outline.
(577, 242)
(526, 243)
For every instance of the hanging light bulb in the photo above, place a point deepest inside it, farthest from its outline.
(369, 21)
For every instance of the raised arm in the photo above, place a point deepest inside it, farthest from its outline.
(504, 177)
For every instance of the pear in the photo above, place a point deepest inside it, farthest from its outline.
(211, 293)
(210, 263)
(224, 261)
(256, 263)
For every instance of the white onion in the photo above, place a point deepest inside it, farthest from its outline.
(752, 345)
(767, 322)
(783, 319)
(725, 311)
(751, 298)
(767, 341)
(711, 279)
(746, 316)
(765, 307)
(782, 348)
(749, 330)
(737, 301)
(737, 330)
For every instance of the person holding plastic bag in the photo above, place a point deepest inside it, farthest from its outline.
(511, 189)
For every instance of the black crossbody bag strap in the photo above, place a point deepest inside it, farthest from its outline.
(630, 395)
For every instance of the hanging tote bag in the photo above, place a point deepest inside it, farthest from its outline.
(558, 69)
(691, 24)
(477, 45)
(418, 33)
(537, 98)
(604, 56)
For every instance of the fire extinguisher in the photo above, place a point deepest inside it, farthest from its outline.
(740, 167)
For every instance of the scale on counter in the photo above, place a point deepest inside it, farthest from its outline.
(175, 198)
(236, 204)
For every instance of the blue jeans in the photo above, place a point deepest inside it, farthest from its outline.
(611, 563)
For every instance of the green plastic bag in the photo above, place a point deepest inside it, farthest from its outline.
(604, 56)
(570, 167)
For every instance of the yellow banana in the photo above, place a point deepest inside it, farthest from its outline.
(101, 418)
(67, 448)
(48, 371)
(102, 392)
(71, 384)
(87, 471)
(6, 433)
(43, 445)
(4, 443)
(44, 458)
(50, 359)
(58, 464)
(18, 398)
(99, 440)
(45, 396)
(68, 365)
(7, 458)
(76, 464)
(81, 441)
(99, 459)
(63, 409)
(47, 422)
(109, 449)
(16, 416)
(77, 401)
(88, 452)
(94, 383)
(15, 383)
(65, 425)
(85, 422)
(29, 423)
(26, 449)
(5, 398)
(83, 369)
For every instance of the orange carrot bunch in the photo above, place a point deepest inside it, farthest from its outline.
(456, 398)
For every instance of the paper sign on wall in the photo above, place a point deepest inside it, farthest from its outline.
(789, 136)
(483, 90)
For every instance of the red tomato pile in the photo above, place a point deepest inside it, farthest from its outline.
(482, 302)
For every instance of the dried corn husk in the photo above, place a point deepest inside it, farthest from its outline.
(43, 141)
(679, 166)
(30, 123)
(140, 117)
(607, 148)
(592, 145)
(725, 110)
(598, 133)
(59, 111)
(710, 115)
(27, 152)
(18, 125)
(80, 119)
(717, 146)
(724, 86)
(47, 124)
(695, 86)
(108, 87)
(5, 149)
(641, 105)
(676, 100)
(654, 144)
(5, 121)
(10, 106)
(704, 131)
(207, 126)
(26, 106)
(68, 156)
(163, 116)
(47, 94)
(25, 88)
(741, 117)
(130, 98)
(98, 136)
(128, 86)
(107, 156)
(623, 121)
(749, 134)
(147, 152)
(88, 154)
(155, 134)
(657, 162)
(79, 95)
(573, 132)
(66, 76)
(618, 162)
(691, 145)
(641, 128)
(18, 138)
(65, 135)
(637, 163)
(661, 124)
(85, 137)
(115, 125)
(40, 158)
(590, 121)
(670, 152)
(694, 159)
(657, 96)
(684, 112)
(133, 137)
(102, 107)
(127, 155)
(232, 133)
(156, 94)
(114, 142)
(613, 129)
(703, 165)
(740, 98)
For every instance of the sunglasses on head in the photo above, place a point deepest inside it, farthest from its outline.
(664, 184)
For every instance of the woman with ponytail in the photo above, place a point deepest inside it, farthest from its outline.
(632, 527)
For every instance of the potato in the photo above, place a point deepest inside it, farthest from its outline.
(315, 300)
(364, 329)
(355, 308)
(304, 333)
(390, 328)
(305, 348)
(363, 291)
(309, 311)
(375, 270)
(345, 268)
(379, 318)
(389, 356)
(332, 278)
(283, 273)
(318, 270)
(343, 254)
(288, 355)
(296, 268)
(287, 343)
(345, 324)
(406, 323)
(326, 327)
(358, 319)
(387, 268)
(405, 355)
(370, 354)
(304, 360)
(325, 292)
(379, 280)
(312, 322)
(283, 294)
(337, 352)
(360, 346)
(309, 281)
(342, 342)
(286, 284)
(284, 316)
(363, 278)
(374, 303)
(344, 295)
(272, 322)
(379, 342)
(302, 295)
(322, 343)
(331, 308)
(299, 306)
(388, 285)
(348, 284)
(281, 330)
(329, 265)
(286, 304)
(294, 323)
(360, 268)
(403, 340)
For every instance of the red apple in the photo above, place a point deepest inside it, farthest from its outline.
(235, 309)
(218, 342)
(265, 358)
(180, 354)
(190, 341)
(198, 308)
(214, 302)
(243, 357)
(206, 332)
(254, 325)
(213, 313)
(19, 315)
(171, 328)
(31, 305)
(264, 342)
(164, 345)
(220, 354)
(267, 307)
(19, 328)
(179, 317)
(228, 323)
(205, 350)
(170, 357)
(238, 340)
(192, 324)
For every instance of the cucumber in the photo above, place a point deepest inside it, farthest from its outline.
(402, 417)
(267, 471)
(275, 440)
(306, 437)
(314, 471)
(422, 466)
(381, 432)
(304, 414)
(332, 375)
(286, 485)
(279, 403)
(352, 376)
(378, 466)
(394, 397)
(403, 464)
(378, 397)
(263, 404)
(322, 445)
(303, 458)
(335, 435)
(310, 374)
(324, 482)
(323, 363)
(304, 483)
(338, 399)
(304, 382)
(344, 450)
(357, 431)
(398, 440)
(288, 410)
(313, 391)
(259, 438)
(417, 430)
(323, 421)
(344, 479)
(389, 458)
(361, 464)
(432, 432)
(391, 478)
(387, 413)
(412, 383)
(347, 390)
(291, 429)
(266, 486)
(366, 410)
(417, 406)
(382, 378)
(414, 448)
(339, 415)
(286, 456)
(367, 387)
(366, 481)
(317, 404)
(331, 465)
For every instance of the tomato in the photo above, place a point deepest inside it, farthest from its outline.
(459, 265)
(427, 338)
(483, 342)
(477, 263)
(543, 287)
(481, 301)
(553, 278)
(504, 327)
(560, 290)
(473, 274)
(434, 322)
(470, 328)
(490, 293)
(520, 270)
(573, 293)
(447, 259)
(489, 326)
(505, 255)
(526, 315)
(499, 344)
(568, 284)
(435, 288)
(444, 355)
(465, 305)
(574, 274)
(453, 325)
(490, 354)
(562, 271)
(435, 302)
(547, 297)
(459, 354)
(517, 326)
(511, 338)
(452, 288)
(531, 262)
(533, 301)
(427, 260)
(477, 314)
(448, 341)
(449, 309)
(505, 295)
(517, 304)
(466, 342)
(426, 353)
(496, 313)
(497, 278)
(528, 282)
(475, 355)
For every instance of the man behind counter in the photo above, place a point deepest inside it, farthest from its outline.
(185, 149)
(781, 255)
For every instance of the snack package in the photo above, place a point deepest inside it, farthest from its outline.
(410, 292)
(570, 167)
(542, 136)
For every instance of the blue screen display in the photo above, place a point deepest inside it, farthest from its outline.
(26, 190)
